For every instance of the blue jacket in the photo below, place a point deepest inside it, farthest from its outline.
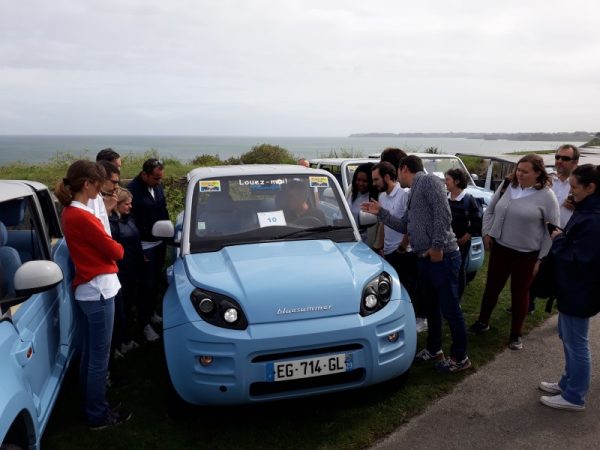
(147, 209)
(576, 254)
(125, 232)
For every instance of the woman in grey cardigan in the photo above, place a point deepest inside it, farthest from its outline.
(515, 232)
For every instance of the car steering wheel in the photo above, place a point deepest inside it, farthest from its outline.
(308, 221)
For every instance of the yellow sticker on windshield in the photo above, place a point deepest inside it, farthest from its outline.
(210, 185)
(318, 182)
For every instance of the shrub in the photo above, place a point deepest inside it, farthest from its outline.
(207, 160)
(267, 154)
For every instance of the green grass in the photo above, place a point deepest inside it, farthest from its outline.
(349, 420)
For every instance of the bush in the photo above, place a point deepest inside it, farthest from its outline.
(267, 154)
(207, 160)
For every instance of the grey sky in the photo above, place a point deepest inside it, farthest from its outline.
(297, 67)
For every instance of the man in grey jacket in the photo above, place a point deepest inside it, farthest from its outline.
(427, 220)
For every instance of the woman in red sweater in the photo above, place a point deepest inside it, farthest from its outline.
(94, 254)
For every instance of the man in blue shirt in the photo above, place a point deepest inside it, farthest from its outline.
(427, 220)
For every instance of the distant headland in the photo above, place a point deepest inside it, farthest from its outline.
(577, 136)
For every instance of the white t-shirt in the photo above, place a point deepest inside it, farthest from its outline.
(99, 210)
(395, 203)
(561, 190)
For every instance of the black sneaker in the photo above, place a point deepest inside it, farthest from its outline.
(515, 343)
(450, 365)
(479, 327)
(114, 418)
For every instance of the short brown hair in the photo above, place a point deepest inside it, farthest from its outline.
(570, 147)
(78, 173)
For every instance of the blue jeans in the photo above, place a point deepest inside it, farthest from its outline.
(439, 284)
(98, 326)
(575, 381)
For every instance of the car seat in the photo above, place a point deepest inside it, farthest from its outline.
(10, 261)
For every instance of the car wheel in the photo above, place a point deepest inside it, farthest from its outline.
(471, 276)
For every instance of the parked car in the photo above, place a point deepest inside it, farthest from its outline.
(343, 169)
(37, 326)
(273, 295)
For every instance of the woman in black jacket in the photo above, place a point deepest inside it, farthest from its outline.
(124, 231)
(466, 219)
(576, 254)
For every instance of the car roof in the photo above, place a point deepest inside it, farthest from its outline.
(584, 158)
(420, 155)
(10, 189)
(336, 161)
(252, 169)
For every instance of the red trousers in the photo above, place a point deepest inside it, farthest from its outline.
(505, 262)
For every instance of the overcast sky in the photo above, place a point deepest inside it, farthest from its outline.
(298, 67)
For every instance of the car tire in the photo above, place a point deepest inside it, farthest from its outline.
(471, 276)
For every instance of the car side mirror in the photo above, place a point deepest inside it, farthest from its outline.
(366, 219)
(165, 230)
(31, 278)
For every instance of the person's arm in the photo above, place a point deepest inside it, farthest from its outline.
(551, 213)
(93, 232)
(442, 217)
(475, 215)
(384, 216)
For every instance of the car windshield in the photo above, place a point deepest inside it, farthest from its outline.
(439, 166)
(265, 208)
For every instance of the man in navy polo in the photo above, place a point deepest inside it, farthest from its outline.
(149, 206)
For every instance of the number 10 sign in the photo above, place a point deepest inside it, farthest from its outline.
(271, 219)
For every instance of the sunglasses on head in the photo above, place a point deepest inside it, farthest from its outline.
(563, 158)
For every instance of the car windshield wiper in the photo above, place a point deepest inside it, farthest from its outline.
(314, 230)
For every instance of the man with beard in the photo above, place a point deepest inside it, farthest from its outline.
(427, 219)
(393, 198)
(566, 158)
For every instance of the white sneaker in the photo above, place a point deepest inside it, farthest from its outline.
(558, 402)
(127, 347)
(118, 355)
(421, 324)
(155, 319)
(150, 334)
(552, 388)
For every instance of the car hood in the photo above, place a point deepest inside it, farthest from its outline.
(288, 280)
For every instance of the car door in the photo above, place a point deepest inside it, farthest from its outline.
(37, 321)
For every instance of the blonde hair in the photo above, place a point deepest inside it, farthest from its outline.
(122, 196)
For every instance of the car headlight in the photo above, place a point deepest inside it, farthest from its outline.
(218, 309)
(376, 294)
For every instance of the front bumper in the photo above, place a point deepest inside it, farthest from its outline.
(239, 372)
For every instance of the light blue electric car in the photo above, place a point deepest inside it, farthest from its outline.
(38, 330)
(273, 295)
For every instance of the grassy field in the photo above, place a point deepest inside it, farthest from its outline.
(349, 420)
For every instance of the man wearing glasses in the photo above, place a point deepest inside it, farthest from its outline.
(148, 206)
(108, 200)
(566, 158)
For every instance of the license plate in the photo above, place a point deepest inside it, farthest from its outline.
(310, 367)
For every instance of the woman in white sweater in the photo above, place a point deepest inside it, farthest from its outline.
(515, 232)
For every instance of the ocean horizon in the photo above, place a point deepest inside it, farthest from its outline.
(42, 148)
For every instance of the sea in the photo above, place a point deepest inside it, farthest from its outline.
(40, 149)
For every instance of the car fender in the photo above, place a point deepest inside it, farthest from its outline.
(16, 401)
